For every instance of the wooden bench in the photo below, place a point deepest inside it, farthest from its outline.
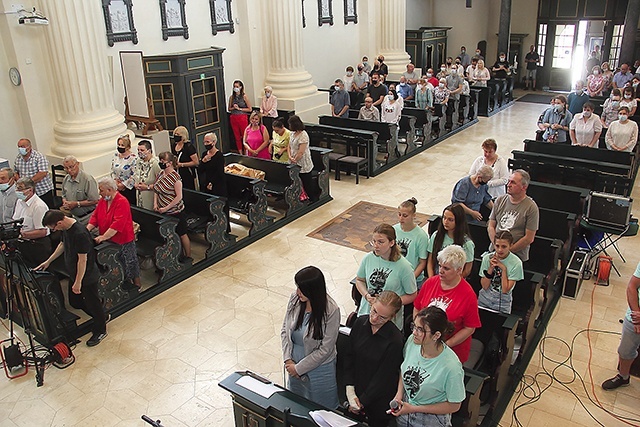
(564, 161)
(246, 196)
(387, 132)
(159, 241)
(206, 214)
(527, 304)
(282, 179)
(320, 172)
(558, 197)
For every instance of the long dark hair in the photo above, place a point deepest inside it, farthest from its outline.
(310, 281)
(460, 232)
(436, 320)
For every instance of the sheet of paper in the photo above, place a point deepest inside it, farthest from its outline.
(330, 419)
(345, 330)
(264, 390)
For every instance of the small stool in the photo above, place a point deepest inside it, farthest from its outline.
(358, 162)
(333, 160)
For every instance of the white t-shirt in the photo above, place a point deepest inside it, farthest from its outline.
(585, 131)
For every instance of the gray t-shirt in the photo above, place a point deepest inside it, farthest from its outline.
(516, 218)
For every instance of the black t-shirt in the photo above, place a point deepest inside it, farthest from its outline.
(77, 240)
(213, 172)
(376, 92)
(184, 156)
(501, 74)
(535, 57)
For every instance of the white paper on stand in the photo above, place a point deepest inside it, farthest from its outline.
(330, 419)
(252, 384)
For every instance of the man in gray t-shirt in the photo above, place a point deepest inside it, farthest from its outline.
(517, 213)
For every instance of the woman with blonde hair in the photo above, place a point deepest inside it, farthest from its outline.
(186, 156)
(481, 74)
(256, 138)
(385, 269)
(123, 167)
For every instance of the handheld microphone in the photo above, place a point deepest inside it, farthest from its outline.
(394, 405)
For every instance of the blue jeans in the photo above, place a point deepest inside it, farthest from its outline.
(419, 419)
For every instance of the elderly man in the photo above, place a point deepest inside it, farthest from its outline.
(80, 261)
(517, 213)
(411, 75)
(472, 192)
(36, 244)
(8, 196)
(622, 77)
(368, 111)
(79, 189)
(340, 100)
(404, 89)
(455, 85)
(33, 165)
(360, 80)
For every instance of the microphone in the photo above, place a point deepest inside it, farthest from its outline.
(394, 405)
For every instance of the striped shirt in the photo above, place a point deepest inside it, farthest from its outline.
(165, 188)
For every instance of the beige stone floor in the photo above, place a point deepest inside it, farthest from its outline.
(165, 357)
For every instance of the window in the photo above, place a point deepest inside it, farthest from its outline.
(325, 12)
(174, 19)
(118, 17)
(563, 46)
(221, 19)
(350, 11)
(542, 42)
(616, 42)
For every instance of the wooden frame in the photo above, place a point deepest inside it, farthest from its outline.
(118, 17)
(325, 12)
(221, 18)
(350, 11)
(173, 19)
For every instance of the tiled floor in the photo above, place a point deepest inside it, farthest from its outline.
(164, 358)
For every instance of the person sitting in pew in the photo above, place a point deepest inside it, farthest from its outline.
(586, 127)
(623, 133)
(372, 360)
(556, 121)
(256, 139)
(368, 111)
(168, 199)
(451, 292)
(431, 385)
(112, 218)
(499, 272)
(471, 192)
(79, 190)
(453, 229)
(490, 157)
(280, 138)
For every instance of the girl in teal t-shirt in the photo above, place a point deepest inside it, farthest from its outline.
(413, 240)
(385, 269)
(431, 385)
(453, 229)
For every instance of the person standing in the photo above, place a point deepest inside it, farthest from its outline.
(239, 109)
(299, 154)
(80, 261)
(340, 101)
(186, 156)
(79, 189)
(35, 166)
(630, 339)
(8, 196)
(35, 243)
(532, 59)
(123, 165)
(147, 170)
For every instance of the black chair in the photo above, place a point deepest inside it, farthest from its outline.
(57, 176)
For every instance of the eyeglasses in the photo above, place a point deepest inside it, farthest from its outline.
(377, 242)
(419, 329)
(380, 316)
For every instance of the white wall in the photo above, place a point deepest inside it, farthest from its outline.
(419, 13)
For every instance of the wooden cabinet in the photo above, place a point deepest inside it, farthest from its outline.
(187, 89)
(427, 46)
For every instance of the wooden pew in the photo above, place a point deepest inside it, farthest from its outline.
(246, 196)
(348, 142)
(320, 172)
(422, 124)
(563, 161)
(527, 304)
(578, 152)
(282, 180)
(559, 225)
(206, 214)
(408, 126)
(558, 197)
(158, 240)
(387, 132)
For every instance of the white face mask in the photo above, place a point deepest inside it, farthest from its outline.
(349, 73)
(429, 75)
(622, 117)
(390, 97)
(236, 89)
(441, 85)
(586, 114)
(443, 69)
(627, 96)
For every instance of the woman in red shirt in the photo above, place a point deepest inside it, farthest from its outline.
(112, 218)
(449, 291)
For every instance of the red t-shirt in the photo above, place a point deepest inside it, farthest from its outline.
(460, 304)
(118, 217)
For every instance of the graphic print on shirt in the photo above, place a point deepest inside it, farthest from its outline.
(413, 379)
(496, 280)
(441, 302)
(508, 220)
(404, 246)
(377, 280)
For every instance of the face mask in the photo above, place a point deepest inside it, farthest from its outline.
(365, 63)
(441, 85)
(349, 73)
(359, 69)
(20, 195)
(336, 87)
(558, 108)
(380, 60)
(462, 50)
(635, 85)
(627, 96)
(208, 146)
(478, 52)
(142, 155)
(236, 89)
(443, 69)
(429, 75)
(107, 198)
(22, 151)
(4, 187)
(375, 82)
(402, 84)
(163, 165)
(622, 117)
(458, 62)
(448, 62)
(121, 150)
(615, 104)
(390, 97)
(502, 58)
(586, 114)
(268, 94)
(177, 138)
(419, 87)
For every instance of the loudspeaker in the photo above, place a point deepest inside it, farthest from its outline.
(608, 210)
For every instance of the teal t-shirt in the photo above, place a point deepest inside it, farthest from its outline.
(382, 275)
(413, 245)
(492, 297)
(469, 247)
(429, 381)
(637, 275)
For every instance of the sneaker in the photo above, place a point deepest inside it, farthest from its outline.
(96, 339)
(615, 382)
(107, 318)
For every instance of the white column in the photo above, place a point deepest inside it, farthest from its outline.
(393, 17)
(87, 123)
(291, 82)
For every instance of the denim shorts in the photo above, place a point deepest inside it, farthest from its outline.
(419, 419)
(629, 342)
